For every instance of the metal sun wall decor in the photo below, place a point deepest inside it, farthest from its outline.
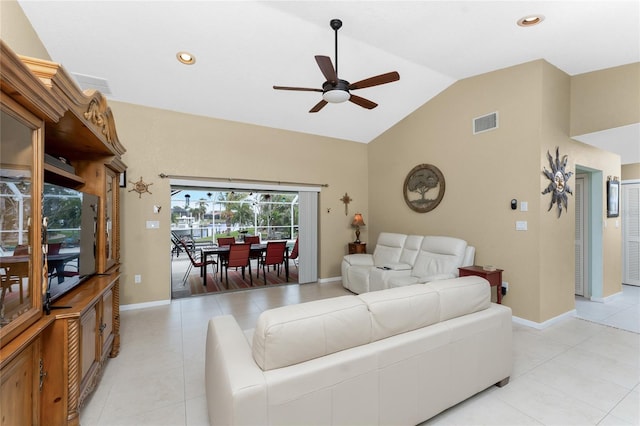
(420, 180)
(558, 185)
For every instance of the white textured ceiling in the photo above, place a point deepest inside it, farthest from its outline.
(243, 48)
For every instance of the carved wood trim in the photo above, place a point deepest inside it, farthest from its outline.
(115, 347)
(89, 107)
(23, 86)
(73, 375)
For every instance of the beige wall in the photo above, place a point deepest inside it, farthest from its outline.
(605, 99)
(484, 172)
(17, 32)
(630, 171)
(160, 141)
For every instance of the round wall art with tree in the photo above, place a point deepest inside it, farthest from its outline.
(423, 179)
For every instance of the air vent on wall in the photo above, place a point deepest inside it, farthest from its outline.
(87, 82)
(485, 123)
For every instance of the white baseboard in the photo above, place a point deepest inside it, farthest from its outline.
(547, 323)
(144, 305)
(606, 299)
(330, 280)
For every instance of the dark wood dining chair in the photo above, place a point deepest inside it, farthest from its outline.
(238, 257)
(274, 256)
(198, 263)
(226, 241)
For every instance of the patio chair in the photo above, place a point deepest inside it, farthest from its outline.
(252, 239)
(274, 256)
(198, 263)
(238, 258)
(294, 253)
(176, 239)
(226, 241)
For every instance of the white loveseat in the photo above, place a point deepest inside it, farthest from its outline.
(397, 356)
(400, 260)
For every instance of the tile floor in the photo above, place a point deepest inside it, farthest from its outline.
(575, 372)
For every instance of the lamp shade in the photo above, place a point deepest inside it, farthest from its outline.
(357, 220)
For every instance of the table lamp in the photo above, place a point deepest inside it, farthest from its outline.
(357, 223)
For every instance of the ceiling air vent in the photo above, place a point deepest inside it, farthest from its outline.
(485, 123)
(87, 82)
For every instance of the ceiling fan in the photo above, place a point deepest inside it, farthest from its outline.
(336, 90)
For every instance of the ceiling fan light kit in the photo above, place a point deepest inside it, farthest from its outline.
(336, 90)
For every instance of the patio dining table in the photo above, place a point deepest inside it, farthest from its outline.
(221, 251)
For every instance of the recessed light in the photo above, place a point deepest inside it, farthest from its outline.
(186, 58)
(531, 20)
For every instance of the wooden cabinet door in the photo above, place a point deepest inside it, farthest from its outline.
(89, 342)
(107, 322)
(19, 383)
(20, 219)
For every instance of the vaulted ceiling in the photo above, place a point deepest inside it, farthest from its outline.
(243, 48)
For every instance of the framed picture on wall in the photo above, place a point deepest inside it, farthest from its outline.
(613, 198)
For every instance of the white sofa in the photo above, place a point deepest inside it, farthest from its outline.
(397, 356)
(400, 260)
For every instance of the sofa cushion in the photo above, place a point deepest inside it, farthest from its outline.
(461, 296)
(411, 249)
(292, 334)
(398, 310)
(388, 248)
(439, 256)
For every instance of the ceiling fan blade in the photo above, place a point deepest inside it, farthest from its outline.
(364, 103)
(375, 81)
(318, 106)
(300, 89)
(326, 66)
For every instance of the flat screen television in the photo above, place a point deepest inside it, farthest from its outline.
(71, 237)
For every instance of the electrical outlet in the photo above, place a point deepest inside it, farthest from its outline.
(137, 279)
(505, 287)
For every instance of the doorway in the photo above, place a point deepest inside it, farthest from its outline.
(589, 266)
(630, 232)
(207, 210)
(582, 236)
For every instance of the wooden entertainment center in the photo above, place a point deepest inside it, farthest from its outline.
(50, 362)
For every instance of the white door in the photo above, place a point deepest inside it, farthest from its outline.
(630, 212)
(581, 239)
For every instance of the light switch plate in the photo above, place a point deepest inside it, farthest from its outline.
(153, 224)
(521, 225)
(524, 206)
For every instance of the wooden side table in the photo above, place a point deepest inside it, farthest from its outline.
(494, 277)
(357, 248)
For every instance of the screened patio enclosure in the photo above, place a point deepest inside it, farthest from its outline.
(205, 215)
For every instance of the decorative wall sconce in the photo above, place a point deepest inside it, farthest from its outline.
(357, 223)
(156, 208)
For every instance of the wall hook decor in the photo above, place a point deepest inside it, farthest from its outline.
(140, 187)
(558, 185)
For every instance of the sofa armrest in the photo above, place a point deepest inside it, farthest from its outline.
(235, 386)
(359, 259)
